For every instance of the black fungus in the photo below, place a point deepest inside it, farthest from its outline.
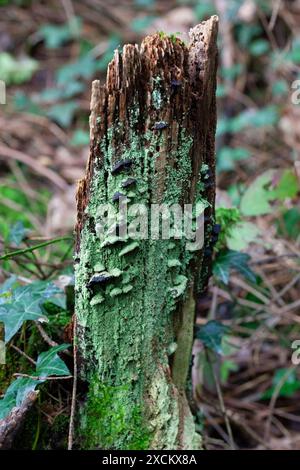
(99, 279)
(122, 165)
(128, 182)
(207, 252)
(214, 238)
(117, 196)
(207, 173)
(158, 126)
(216, 229)
(175, 84)
(208, 184)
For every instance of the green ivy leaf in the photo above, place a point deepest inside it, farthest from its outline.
(211, 335)
(5, 289)
(80, 137)
(289, 387)
(26, 303)
(15, 313)
(17, 233)
(49, 363)
(63, 113)
(57, 35)
(228, 156)
(227, 260)
(16, 71)
(241, 235)
(259, 47)
(256, 199)
(67, 91)
(287, 187)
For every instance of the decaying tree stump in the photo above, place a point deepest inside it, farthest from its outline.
(152, 131)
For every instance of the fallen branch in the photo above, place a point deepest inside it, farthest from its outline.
(11, 425)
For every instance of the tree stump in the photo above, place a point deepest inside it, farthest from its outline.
(152, 130)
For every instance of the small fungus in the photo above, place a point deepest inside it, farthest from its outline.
(97, 299)
(207, 252)
(128, 248)
(116, 291)
(172, 263)
(98, 267)
(102, 278)
(122, 165)
(117, 196)
(159, 126)
(180, 286)
(175, 84)
(216, 229)
(127, 288)
(128, 182)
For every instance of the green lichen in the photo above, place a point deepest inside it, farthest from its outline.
(157, 99)
(118, 332)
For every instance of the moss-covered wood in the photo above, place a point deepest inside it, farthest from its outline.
(134, 334)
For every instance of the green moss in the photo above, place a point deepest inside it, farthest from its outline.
(109, 423)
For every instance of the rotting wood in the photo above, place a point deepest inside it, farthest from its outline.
(156, 114)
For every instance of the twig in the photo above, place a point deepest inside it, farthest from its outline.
(273, 400)
(45, 336)
(32, 248)
(274, 14)
(6, 152)
(221, 401)
(23, 354)
(59, 377)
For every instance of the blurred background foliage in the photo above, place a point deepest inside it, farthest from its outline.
(246, 387)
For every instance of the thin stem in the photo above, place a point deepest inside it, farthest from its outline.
(221, 401)
(32, 248)
(23, 354)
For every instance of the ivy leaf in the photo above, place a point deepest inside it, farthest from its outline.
(256, 198)
(211, 335)
(57, 35)
(287, 187)
(289, 387)
(16, 71)
(241, 235)
(259, 47)
(63, 113)
(5, 289)
(228, 156)
(230, 259)
(49, 363)
(16, 394)
(17, 233)
(26, 303)
(14, 314)
(44, 291)
(9, 400)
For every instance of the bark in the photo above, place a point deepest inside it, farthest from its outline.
(156, 114)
